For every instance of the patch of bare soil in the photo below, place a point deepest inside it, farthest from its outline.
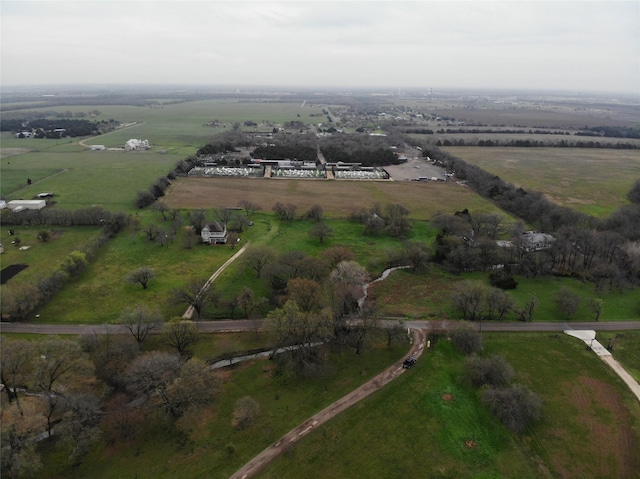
(6, 152)
(610, 442)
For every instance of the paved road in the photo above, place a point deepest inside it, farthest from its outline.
(254, 324)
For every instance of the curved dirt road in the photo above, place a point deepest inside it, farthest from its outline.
(262, 459)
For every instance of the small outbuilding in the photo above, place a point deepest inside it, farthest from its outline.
(19, 205)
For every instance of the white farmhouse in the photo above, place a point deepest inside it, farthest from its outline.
(136, 145)
(214, 233)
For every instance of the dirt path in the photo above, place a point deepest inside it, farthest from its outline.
(126, 127)
(188, 314)
(258, 462)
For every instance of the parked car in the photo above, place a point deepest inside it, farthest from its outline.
(410, 361)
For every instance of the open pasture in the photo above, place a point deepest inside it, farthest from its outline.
(181, 127)
(82, 178)
(337, 198)
(592, 181)
(429, 423)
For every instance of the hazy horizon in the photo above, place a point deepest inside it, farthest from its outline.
(579, 46)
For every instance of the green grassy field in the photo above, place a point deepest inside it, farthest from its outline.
(625, 347)
(81, 178)
(591, 181)
(101, 293)
(42, 257)
(418, 426)
(182, 126)
(430, 296)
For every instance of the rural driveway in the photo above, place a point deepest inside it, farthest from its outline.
(262, 459)
(126, 127)
(190, 310)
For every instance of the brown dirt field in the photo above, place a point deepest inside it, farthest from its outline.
(337, 198)
(610, 435)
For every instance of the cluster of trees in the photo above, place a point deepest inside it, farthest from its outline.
(614, 131)
(315, 298)
(45, 128)
(467, 242)
(476, 301)
(515, 405)
(112, 223)
(367, 157)
(287, 150)
(391, 220)
(533, 207)
(134, 382)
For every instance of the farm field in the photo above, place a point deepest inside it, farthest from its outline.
(337, 198)
(592, 181)
(430, 423)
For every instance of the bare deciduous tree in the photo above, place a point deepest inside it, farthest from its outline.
(141, 276)
(249, 207)
(140, 321)
(516, 406)
(181, 335)
(315, 213)
(258, 257)
(56, 359)
(15, 364)
(196, 294)
(466, 338)
(321, 231)
(567, 302)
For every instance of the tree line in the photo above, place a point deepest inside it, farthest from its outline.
(45, 128)
(536, 143)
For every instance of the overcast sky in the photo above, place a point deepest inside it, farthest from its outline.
(578, 46)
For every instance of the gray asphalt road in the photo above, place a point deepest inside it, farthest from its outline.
(253, 324)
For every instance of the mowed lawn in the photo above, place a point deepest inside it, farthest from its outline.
(430, 423)
(337, 198)
(592, 181)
